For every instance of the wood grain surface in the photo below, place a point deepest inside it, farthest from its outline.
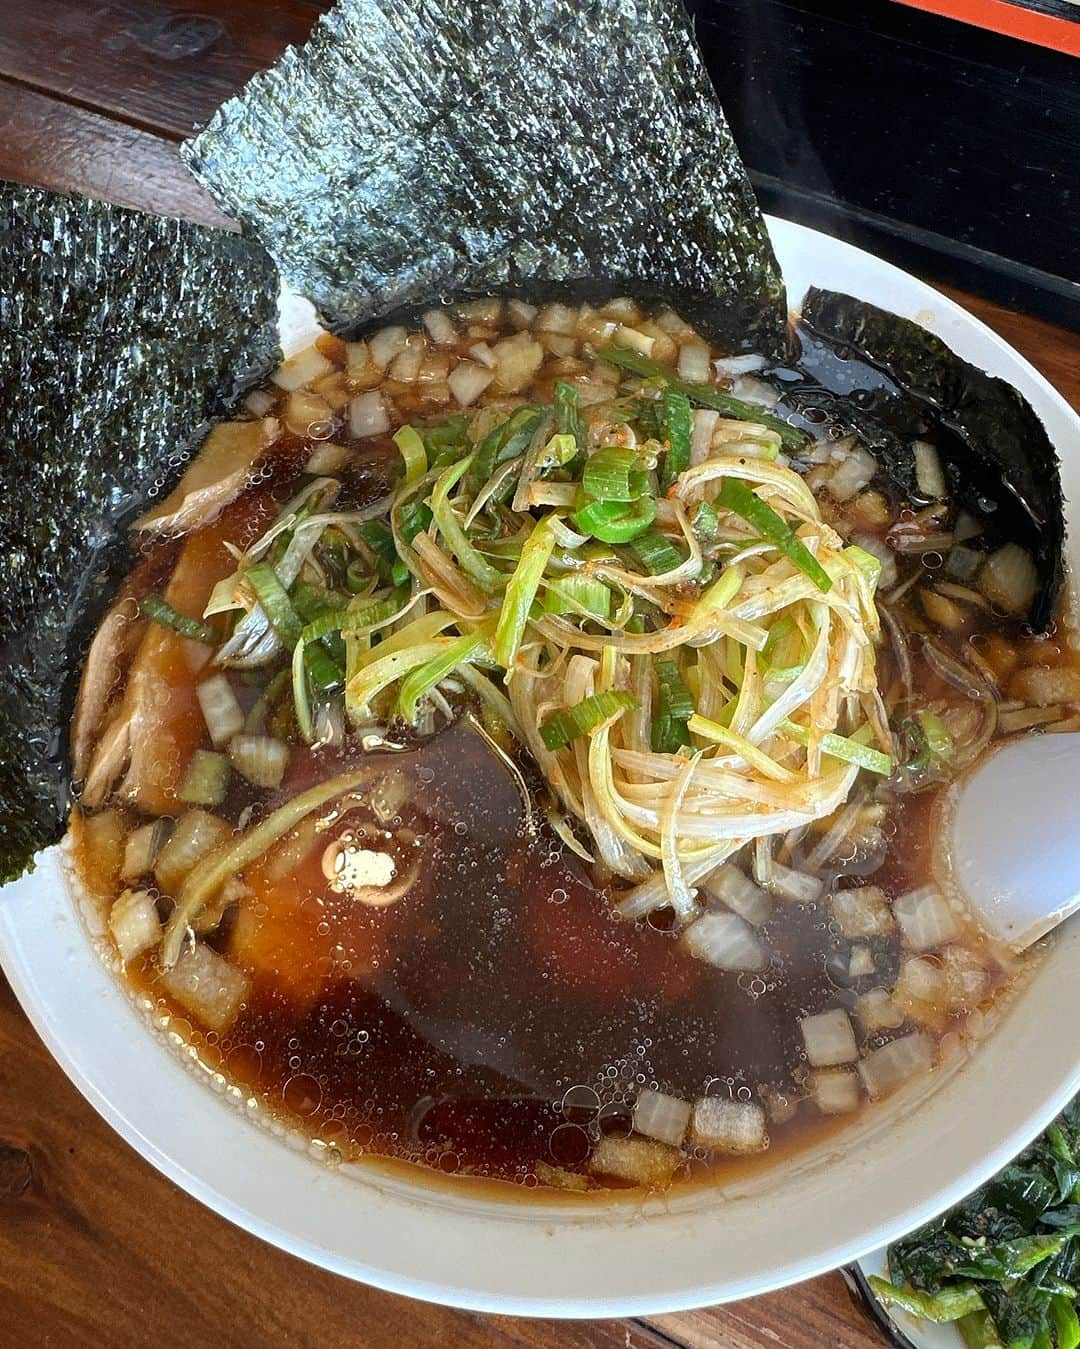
(96, 1248)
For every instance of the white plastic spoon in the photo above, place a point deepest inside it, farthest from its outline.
(1016, 838)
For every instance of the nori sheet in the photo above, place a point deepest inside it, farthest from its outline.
(1004, 458)
(417, 149)
(123, 336)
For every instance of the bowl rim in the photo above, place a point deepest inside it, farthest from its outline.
(550, 1258)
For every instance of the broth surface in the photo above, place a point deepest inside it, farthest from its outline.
(498, 1019)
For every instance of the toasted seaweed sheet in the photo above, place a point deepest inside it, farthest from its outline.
(414, 149)
(1003, 457)
(123, 335)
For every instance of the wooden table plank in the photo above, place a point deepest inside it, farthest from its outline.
(57, 145)
(96, 1245)
(154, 64)
(820, 1312)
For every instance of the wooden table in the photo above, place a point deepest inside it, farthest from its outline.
(96, 1248)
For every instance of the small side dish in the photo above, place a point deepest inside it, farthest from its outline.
(1004, 1265)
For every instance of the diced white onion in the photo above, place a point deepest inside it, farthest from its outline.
(563, 347)
(486, 310)
(729, 1126)
(386, 344)
(623, 308)
(921, 979)
(206, 985)
(327, 458)
(134, 923)
(368, 415)
(726, 941)
(301, 369)
(197, 833)
(1009, 579)
(556, 318)
(405, 367)
(1044, 685)
(862, 912)
(928, 471)
(638, 1161)
(852, 474)
(835, 1092)
(794, 885)
(829, 1038)
(966, 981)
(694, 361)
(305, 412)
(942, 611)
(517, 359)
(482, 354)
(221, 711)
(890, 1067)
(861, 963)
(705, 420)
(259, 758)
(754, 390)
(468, 381)
(357, 356)
(730, 367)
(142, 848)
(926, 918)
(660, 1116)
(635, 340)
(259, 402)
(670, 322)
(521, 312)
(733, 887)
(877, 1012)
(440, 327)
(920, 992)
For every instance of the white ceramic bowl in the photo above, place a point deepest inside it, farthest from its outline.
(894, 1169)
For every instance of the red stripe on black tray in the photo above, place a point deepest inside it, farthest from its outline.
(1014, 20)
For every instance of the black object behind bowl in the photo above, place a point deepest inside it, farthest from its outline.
(942, 147)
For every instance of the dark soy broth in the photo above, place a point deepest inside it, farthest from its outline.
(489, 1014)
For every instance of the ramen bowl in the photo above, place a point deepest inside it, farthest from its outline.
(493, 1249)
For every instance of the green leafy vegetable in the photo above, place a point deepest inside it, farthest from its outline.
(614, 474)
(736, 496)
(275, 601)
(577, 595)
(475, 566)
(676, 426)
(521, 591)
(423, 679)
(506, 441)
(704, 520)
(674, 709)
(705, 395)
(160, 611)
(561, 727)
(1013, 1246)
(568, 418)
(615, 521)
(655, 552)
(413, 452)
